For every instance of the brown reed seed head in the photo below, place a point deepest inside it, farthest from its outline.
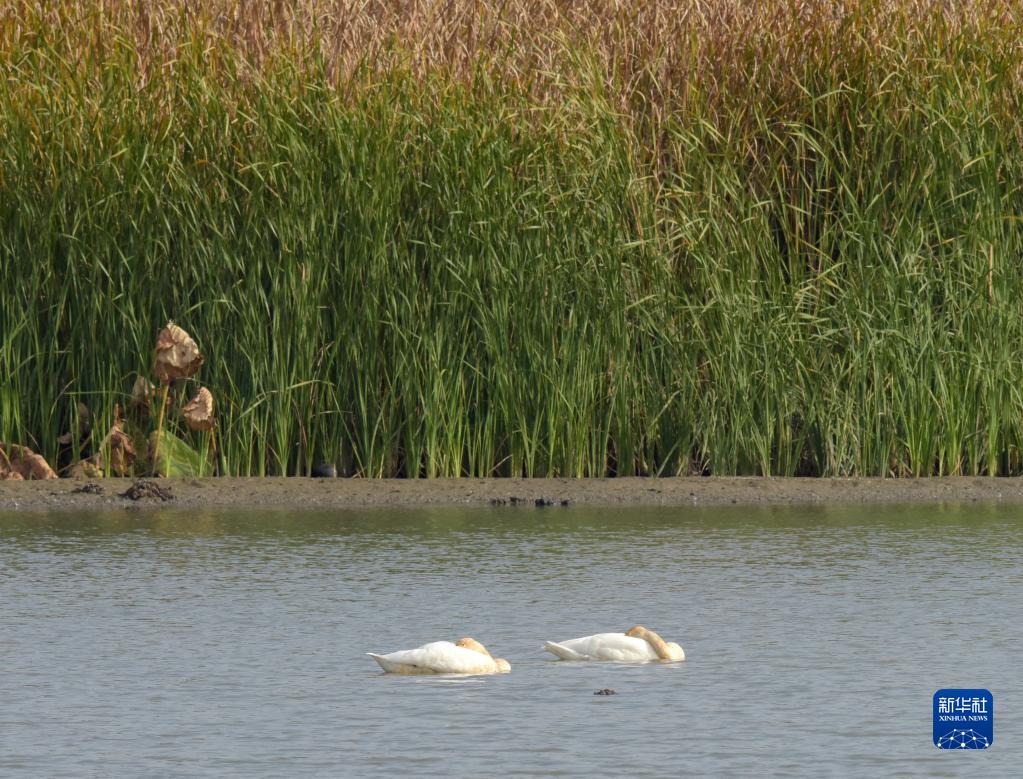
(659, 52)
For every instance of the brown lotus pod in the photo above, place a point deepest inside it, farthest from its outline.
(140, 404)
(84, 420)
(84, 426)
(20, 462)
(142, 391)
(122, 451)
(177, 355)
(198, 412)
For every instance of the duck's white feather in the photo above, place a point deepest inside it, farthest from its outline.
(563, 651)
(437, 657)
(614, 647)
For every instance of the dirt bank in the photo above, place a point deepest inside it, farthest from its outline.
(346, 493)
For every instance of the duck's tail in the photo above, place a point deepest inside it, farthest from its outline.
(382, 661)
(562, 651)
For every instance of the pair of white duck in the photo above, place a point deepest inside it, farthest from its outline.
(468, 656)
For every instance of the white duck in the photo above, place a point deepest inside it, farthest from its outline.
(636, 646)
(468, 656)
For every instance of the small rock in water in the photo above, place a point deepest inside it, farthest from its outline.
(606, 691)
(324, 470)
(540, 502)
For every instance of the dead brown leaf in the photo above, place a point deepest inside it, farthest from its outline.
(20, 462)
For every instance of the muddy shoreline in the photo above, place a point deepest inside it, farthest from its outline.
(299, 493)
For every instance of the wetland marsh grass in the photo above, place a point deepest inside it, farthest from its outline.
(525, 238)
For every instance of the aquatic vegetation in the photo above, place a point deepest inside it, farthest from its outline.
(177, 357)
(535, 238)
(133, 446)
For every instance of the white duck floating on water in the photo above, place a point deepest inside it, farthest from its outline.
(468, 656)
(638, 645)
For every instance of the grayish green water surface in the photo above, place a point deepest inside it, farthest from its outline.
(232, 644)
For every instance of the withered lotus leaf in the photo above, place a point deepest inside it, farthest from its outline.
(198, 412)
(177, 355)
(122, 451)
(20, 462)
(91, 468)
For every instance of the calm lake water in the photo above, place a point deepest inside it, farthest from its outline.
(232, 643)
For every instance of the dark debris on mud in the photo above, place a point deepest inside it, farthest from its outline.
(142, 489)
(89, 488)
(540, 502)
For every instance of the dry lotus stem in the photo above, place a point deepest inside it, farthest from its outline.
(20, 462)
(198, 412)
(177, 355)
